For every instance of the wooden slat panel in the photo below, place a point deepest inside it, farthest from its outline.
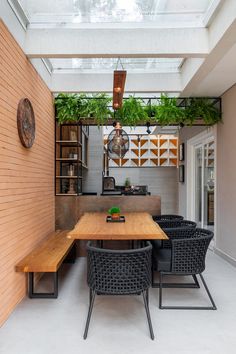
(26, 176)
(48, 256)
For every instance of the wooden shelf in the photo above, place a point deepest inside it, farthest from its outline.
(70, 150)
(75, 177)
(67, 159)
(66, 142)
(68, 195)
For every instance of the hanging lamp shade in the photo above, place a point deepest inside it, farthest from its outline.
(118, 142)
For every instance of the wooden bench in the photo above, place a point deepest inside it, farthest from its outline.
(47, 257)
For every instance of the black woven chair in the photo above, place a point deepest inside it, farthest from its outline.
(119, 272)
(164, 224)
(172, 233)
(167, 217)
(173, 229)
(185, 257)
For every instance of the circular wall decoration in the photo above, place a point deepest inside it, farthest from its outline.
(26, 122)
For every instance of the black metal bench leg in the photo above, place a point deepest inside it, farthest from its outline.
(71, 257)
(148, 315)
(33, 295)
(91, 302)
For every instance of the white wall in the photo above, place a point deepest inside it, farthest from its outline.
(226, 178)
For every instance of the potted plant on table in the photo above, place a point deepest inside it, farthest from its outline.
(114, 212)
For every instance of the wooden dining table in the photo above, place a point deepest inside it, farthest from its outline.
(137, 226)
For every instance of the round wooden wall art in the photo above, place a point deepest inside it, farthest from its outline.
(26, 122)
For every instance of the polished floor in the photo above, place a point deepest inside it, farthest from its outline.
(118, 325)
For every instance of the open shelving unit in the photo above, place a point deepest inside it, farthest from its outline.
(71, 144)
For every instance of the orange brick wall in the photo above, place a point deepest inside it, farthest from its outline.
(26, 175)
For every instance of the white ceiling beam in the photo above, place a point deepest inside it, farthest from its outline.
(153, 82)
(222, 34)
(79, 43)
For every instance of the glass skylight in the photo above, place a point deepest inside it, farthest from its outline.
(108, 65)
(75, 13)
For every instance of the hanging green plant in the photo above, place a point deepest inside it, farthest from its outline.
(98, 108)
(67, 108)
(132, 112)
(202, 108)
(73, 107)
(167, 112)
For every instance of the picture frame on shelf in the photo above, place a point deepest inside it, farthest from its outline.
(181, 173)
(181, 152)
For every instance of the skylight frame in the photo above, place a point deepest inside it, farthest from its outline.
(68, 20)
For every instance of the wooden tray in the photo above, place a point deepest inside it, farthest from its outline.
(121, 219)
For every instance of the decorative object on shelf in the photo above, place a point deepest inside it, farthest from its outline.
(114, 212)
(117, 142)
(165, 110)
(71, 170)
(181, 173)
(211, 182)
(26, 122)
(71, 187)
(73, 135)
(181, 152)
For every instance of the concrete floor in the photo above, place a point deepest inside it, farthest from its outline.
(118, 324)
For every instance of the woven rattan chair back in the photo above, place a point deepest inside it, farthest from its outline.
(177, 233)
(167, 217)
(119, 272)
(188, 254)
(164, 224)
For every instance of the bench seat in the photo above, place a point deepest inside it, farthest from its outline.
(46, 257)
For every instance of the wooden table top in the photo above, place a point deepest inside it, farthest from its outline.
(137, 226)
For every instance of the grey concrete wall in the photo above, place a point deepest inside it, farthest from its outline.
(226, 178)
(92, 178)
(161, 181)
(185, 134)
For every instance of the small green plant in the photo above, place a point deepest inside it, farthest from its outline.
(127, 182)
(114, 210)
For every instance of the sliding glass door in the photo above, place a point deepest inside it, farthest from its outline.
(204, 183)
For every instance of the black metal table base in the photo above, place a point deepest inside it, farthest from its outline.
(34, 295)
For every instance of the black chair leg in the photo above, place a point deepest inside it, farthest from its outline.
(213, 307)
(208, 292)
(148, 315)
(193, 285)
(91, 302)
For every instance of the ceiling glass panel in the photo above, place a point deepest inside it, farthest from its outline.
(77, 12)
(161, 65)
